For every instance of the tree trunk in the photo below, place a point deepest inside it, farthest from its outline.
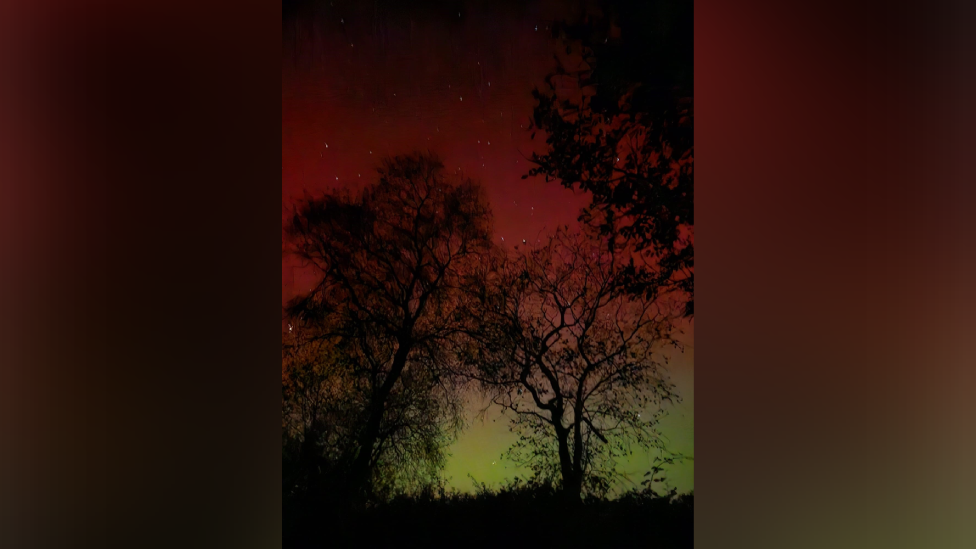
(572, 484)
(573, 488)
(360, 471)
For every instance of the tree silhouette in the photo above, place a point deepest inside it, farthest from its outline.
(393, 262)
(618, 115)
(326, 398)
(575, 358)
(318, 411)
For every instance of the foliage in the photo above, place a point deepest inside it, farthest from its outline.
(320, 411)
(658, 474)
(517, 514)
(575, 359)
(393, 264)
(618, 117)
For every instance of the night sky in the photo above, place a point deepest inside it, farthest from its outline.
(361, 80)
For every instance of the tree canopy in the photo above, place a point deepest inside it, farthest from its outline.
(618, 117)
(393, 263)
(575, 358)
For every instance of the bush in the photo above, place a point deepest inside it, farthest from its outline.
(520, 514)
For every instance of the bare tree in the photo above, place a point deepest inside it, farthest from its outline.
(575, 359)
(394, 264)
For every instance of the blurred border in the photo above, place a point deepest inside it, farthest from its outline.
(140, 284)
(834, 371)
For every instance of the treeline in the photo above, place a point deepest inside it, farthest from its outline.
(416, 303)
(515, 515)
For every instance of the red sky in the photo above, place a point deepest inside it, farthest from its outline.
(358, 84)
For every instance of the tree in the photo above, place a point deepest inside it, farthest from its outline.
(319, 411)
(326, 396)
(618, 115)
(575, 358)
(393, 262)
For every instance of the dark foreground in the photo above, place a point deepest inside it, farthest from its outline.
(506, 519)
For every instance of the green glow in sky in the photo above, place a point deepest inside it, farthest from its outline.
(479, 448)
